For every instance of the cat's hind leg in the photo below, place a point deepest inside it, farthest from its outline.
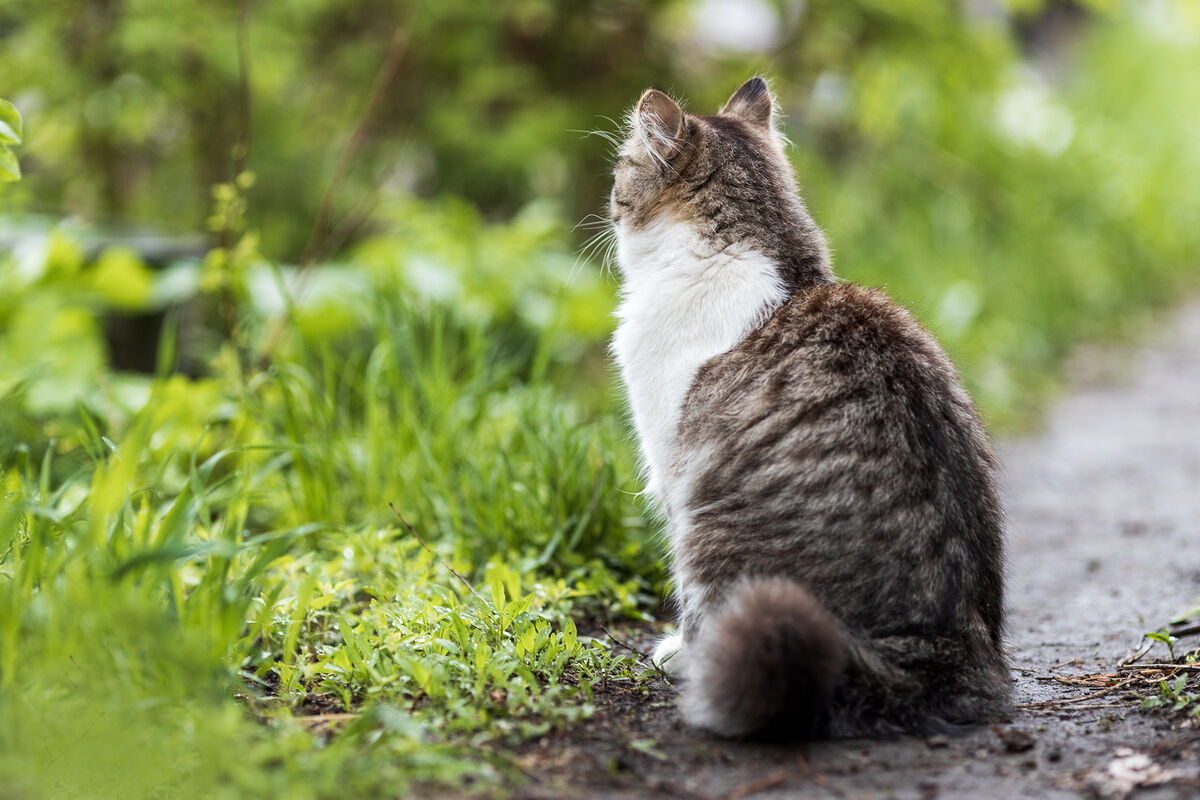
(668, 654)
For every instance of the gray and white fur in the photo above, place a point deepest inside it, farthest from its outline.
(828, 487)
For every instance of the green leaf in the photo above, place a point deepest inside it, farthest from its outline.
(518, 606)
(10, 170)
(10, 123)
(482, 654)
(497, 586)
(648, 747)
(569, 635)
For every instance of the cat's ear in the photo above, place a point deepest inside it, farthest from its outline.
(659, 121)
(752, 102)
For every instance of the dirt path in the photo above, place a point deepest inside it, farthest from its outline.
(1104, 526)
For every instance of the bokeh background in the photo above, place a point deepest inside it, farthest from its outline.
(1020, 172)
(273, 265)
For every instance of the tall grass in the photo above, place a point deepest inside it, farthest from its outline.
(148, 580)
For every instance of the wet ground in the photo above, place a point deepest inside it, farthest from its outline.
(1104, 545)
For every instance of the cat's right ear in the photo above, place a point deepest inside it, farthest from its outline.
(658, 122)
(752, 102)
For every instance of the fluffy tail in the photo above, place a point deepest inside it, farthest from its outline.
(774, 662)
(768, 662)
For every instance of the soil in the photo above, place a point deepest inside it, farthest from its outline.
(1104, 545)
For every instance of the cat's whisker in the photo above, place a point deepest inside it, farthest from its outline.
(607, 136)
(600, 243)
(591, 221)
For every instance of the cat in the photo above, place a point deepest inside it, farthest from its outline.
(828, 487)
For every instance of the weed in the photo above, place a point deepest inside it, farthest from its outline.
(1176, 696)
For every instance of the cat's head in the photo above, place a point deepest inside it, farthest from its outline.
(724, 176)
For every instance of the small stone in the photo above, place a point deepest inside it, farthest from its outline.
(1015, 740)
(937, 742)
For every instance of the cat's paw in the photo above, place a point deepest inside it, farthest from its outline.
(668, 654)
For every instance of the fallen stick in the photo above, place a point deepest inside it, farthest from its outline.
(439, 559)
(643, 658)
(1074, 700)
(1187, 630)
(759, 785)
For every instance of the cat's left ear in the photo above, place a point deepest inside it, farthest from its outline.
(659, 120)
(752, 102)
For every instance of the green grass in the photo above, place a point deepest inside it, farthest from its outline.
(203, 588)
(235, 541)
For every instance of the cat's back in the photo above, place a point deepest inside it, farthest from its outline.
(842, 419)
(836, 351)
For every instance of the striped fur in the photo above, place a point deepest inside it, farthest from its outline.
(828, 487)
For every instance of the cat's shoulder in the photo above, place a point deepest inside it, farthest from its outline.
(843, 317)
(835, 338)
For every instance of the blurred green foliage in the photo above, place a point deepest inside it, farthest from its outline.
(169, 542)
(137, 104)
(1024, 175)
(1020, 173)
(10, 134)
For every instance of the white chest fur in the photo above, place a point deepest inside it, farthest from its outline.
(683, 302)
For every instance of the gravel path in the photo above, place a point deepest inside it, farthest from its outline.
(1104, 544)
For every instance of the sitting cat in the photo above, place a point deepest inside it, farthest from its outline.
(828, 487)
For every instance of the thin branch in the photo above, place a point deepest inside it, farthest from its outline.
(241, 149)
(383, 78)
(644, 659)
(440, 560)
(319, 237)
(317, 719)
(1089, 707)
(809, 772)
(1073, 700)
(1186, 630)
(626, 645)
(777, 778)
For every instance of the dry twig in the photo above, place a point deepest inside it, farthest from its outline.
(1047, 704)
(755, 786)
(809, 772)
(626, 645)
(1186, 630)
(319, 238)
(241, 149)
(643, 658)
(440, 560)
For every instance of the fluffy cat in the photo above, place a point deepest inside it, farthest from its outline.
(828, 487)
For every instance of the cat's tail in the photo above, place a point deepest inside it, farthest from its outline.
(774, 662)
(768, 661)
